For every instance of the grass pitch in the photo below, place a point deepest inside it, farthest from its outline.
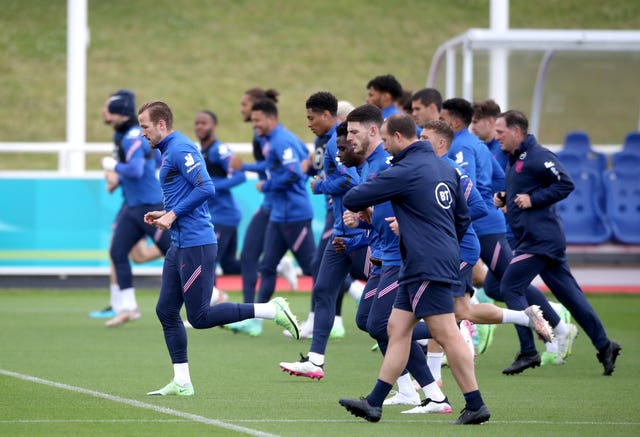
(62, 373)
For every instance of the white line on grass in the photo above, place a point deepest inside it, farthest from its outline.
(138, 404)
(223, 424)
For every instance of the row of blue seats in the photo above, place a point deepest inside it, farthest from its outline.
(603, 207)
(578, 155)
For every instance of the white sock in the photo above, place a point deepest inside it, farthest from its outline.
(405, 385)
(552, 346)
(264, 310)
(434, 361)
(561, 329)
(355, 289)
(128, 302)
(515, 317)
(114, 297)
(423, 342)
(311, 318)
(337, 321)
(433, 392)
(181, 374)
(317, 359)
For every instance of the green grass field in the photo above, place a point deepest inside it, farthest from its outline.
(62, 373)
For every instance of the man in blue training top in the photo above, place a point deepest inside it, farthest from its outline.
(535, 182)
(289, 225)
(133, 168)
(428, 203)
(345, 255)
(225, 212)
(330, 179)
(189, 265)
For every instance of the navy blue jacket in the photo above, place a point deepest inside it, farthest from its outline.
(536, 171)
(428, 203)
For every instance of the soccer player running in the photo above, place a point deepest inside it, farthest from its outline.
(133, 168)
(225, 212)
(289, 225)
(429, 206)
(330, 179)
(346, 254)
(535, 182)
(189, 265)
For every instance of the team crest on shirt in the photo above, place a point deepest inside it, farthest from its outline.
(443, 196)
(520, 163)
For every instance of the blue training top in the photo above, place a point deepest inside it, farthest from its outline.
(338, 180)
(385, 245)
(186, 186)
(136, 166)
(223, 207)
(474, 158)
(286, 183)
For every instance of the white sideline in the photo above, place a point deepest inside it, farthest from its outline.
(138, 404)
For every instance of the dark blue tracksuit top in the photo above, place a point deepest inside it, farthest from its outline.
(536, 171)
(429, 205)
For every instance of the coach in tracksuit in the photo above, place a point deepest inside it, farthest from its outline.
(428, 203)
(535, 182)
(475, 159)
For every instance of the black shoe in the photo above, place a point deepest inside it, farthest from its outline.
(361, 408)
(522, 363)
(608, 355)
(473, 417)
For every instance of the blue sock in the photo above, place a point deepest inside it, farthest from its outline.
(474, 400)
(379, 392)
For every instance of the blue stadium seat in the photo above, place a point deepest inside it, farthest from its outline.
(576, 164)
(572, 161)
(626, 162)
(577, 143)
(623, 205)
(632, 142)
(583, 218)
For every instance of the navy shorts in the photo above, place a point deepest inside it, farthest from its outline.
(466, 281)
(425, 298)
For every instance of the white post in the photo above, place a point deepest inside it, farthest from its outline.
(499, 58)
(450, 69)
(72, 161)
